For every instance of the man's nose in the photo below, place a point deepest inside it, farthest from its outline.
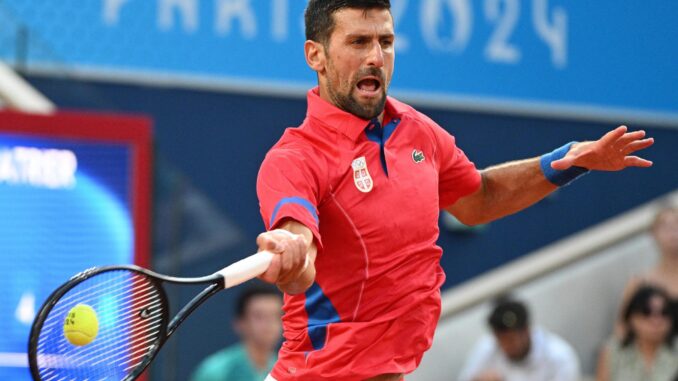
(376, 55)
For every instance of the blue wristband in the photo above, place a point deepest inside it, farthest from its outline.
(560, 178)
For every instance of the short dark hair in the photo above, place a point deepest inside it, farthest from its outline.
(508, 314)
(251, 292)
(640, 301)
(319, 15)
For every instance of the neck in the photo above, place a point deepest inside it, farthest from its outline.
(258, 354)
(648, 351)
(668, 261)
(380, 118)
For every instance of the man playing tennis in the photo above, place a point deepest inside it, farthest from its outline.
(357, 190)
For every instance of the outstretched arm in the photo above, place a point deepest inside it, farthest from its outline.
(514, 186)
(505, 189)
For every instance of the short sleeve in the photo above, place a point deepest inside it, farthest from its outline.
(457, 176)
(287, 187)
(213, 367)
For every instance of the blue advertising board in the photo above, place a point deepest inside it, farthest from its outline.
(69, 200)
(62, 219)
(602, 55)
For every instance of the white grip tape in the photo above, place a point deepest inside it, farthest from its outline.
(246, 269)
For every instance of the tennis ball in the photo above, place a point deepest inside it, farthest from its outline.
(81, 325)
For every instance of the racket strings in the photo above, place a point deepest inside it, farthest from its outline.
(124, 320)
(70, 299)
(131, 318)
(103, 350)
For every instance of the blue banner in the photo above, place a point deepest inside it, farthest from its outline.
(66, 208)
(603, 55)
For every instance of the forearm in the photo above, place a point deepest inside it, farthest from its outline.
(506, 189)
(305, 280)
(301, 284)
(514, 186)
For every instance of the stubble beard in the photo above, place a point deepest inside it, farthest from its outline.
(349, 102)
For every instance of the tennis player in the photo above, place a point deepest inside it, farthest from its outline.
(357, 189)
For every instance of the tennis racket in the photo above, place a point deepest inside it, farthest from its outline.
(132, 312)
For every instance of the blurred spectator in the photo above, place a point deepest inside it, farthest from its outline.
(259, 326)
(518, 352)
(665, 275)
(645, 353)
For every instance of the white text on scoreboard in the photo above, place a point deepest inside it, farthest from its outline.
(38, 167)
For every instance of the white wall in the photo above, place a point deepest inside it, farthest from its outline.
(18, 94)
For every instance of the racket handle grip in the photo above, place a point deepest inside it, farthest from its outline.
(246, 269)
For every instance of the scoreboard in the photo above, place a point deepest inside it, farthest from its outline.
(74, 193)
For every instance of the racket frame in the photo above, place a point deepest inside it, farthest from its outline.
(216, 283)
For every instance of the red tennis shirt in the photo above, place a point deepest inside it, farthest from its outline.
(371, 195)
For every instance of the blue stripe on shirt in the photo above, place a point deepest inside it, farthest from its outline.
(320, 313)
(294, 200)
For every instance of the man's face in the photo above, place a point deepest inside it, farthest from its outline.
(515, 343)
(359, 61)
(261, 322)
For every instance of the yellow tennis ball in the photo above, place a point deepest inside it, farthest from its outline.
(81, 325)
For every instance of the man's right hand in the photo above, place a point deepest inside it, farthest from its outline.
(292, 270)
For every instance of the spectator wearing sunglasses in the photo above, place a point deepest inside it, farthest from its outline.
(645, 352)
(664, 230)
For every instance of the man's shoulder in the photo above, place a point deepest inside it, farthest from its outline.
(486, 346)
(227, 355)
(556, 347)
(218, 363)
(307, 138)
(484, 354)
(307, 148)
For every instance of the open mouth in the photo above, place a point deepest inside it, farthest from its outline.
(369, 86)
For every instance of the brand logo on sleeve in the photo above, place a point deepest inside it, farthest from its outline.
(361, 176)
(418, 156)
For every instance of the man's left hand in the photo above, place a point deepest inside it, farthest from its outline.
(612, 152)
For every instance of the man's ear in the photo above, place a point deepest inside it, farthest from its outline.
(315, 55)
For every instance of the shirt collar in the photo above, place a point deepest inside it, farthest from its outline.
(346, 123)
